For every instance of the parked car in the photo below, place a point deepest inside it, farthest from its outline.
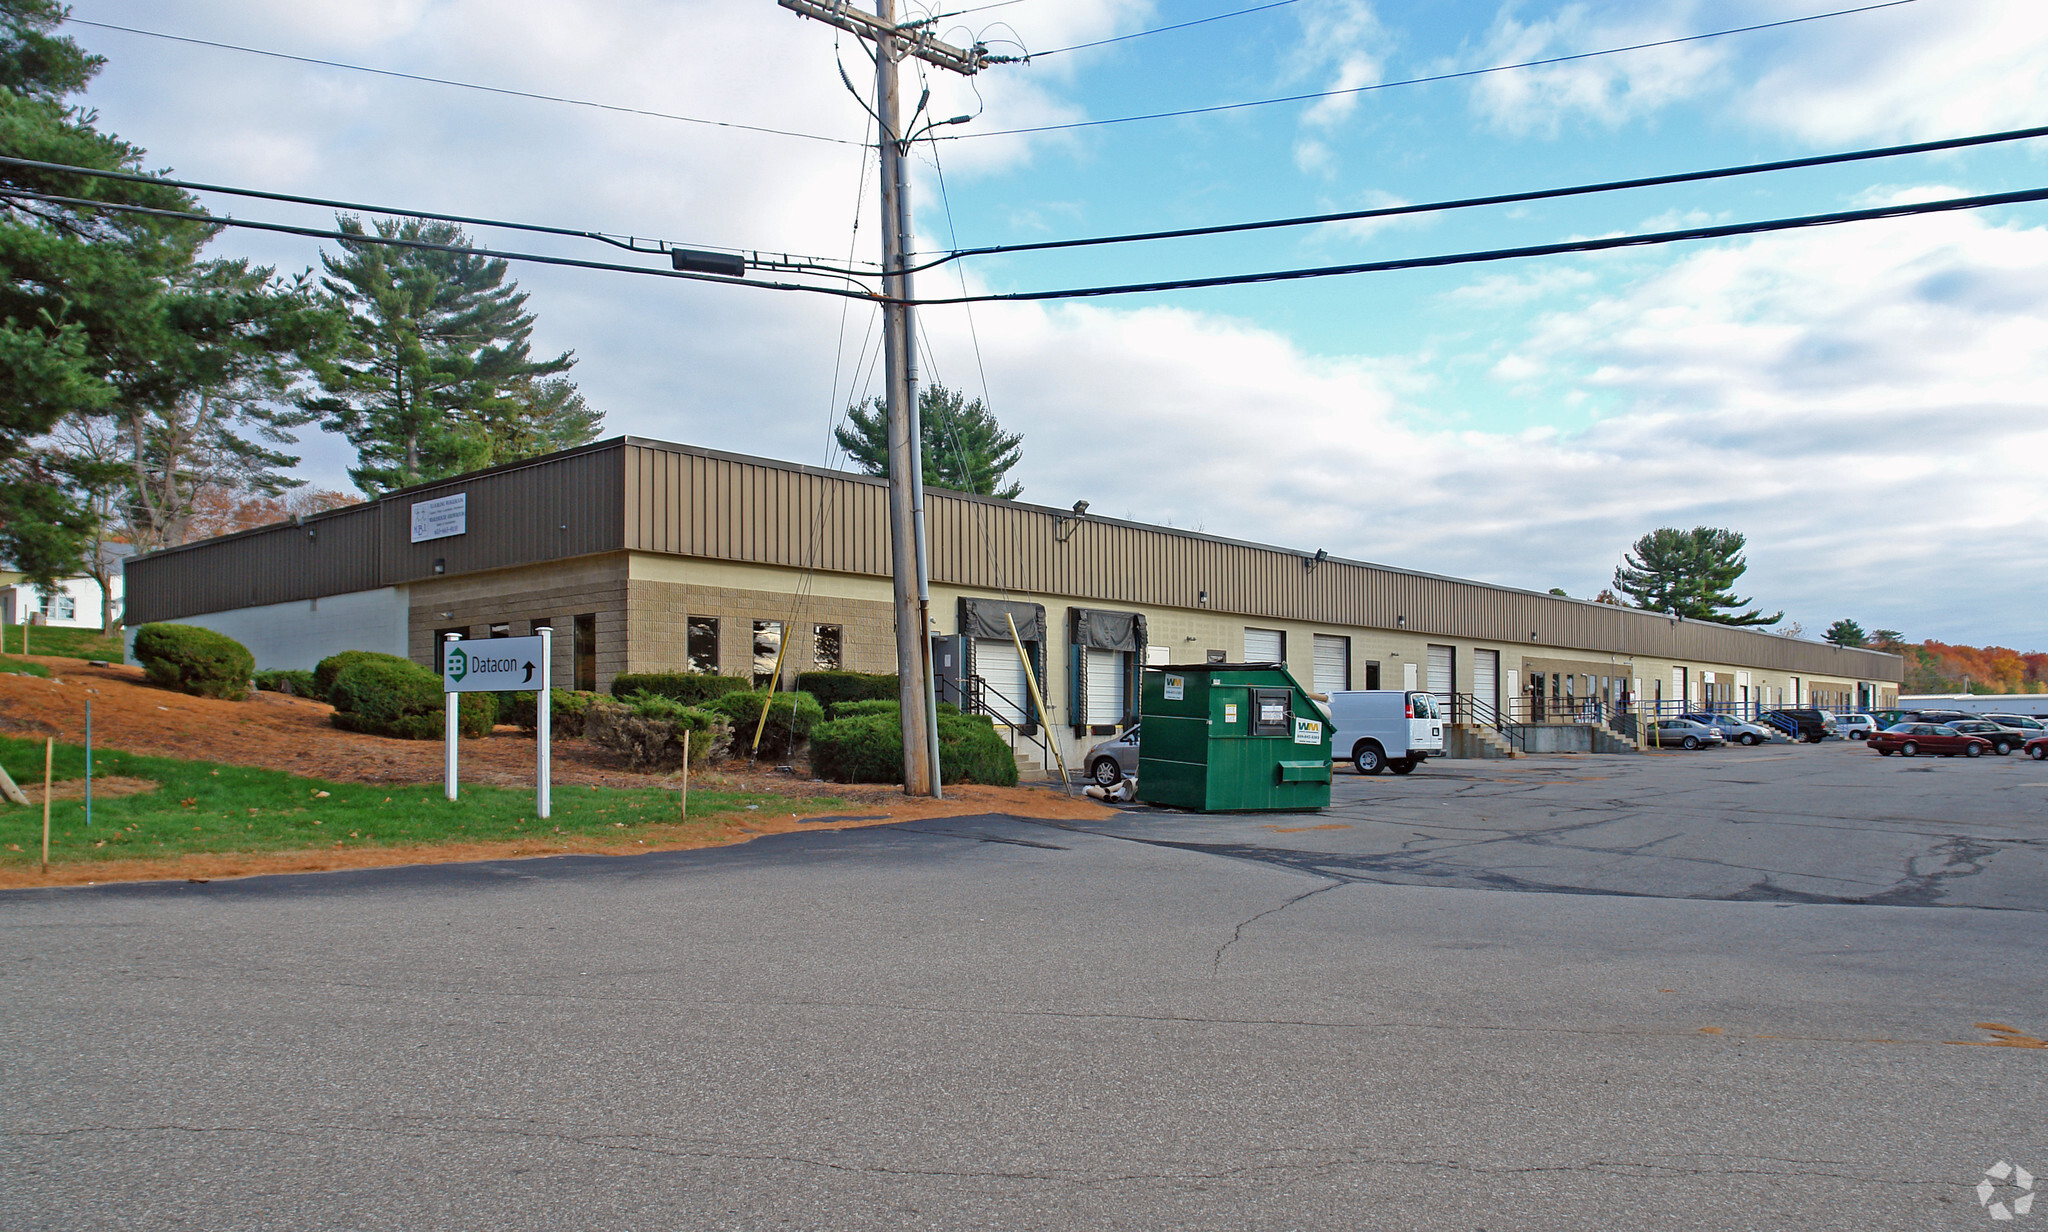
(1684, 734)
(1936, 716)
(1732, 729)
(1813, 725)
(2037, 748)
(2029, 727)
(1854, 726)
(1908, 739)
(1115, 759)
(1386, 729)
(2003, 739)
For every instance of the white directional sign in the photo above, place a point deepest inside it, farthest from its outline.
(494, 665)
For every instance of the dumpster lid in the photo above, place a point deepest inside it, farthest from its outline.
(1219, 667)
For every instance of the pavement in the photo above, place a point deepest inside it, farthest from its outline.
(1734, 989)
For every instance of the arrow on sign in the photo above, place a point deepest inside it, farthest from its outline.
(529, 674)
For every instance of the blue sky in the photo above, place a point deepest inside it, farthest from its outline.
(1519, 422)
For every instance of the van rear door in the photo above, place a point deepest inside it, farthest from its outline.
(1425, 725)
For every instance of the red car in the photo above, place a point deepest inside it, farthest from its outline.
(2037, 748)
(1906, 739)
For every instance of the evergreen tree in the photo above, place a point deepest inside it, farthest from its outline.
(1845, 632)
(965, 448)
(1689, 573)
(435, 373)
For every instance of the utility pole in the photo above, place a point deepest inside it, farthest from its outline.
(909, 558)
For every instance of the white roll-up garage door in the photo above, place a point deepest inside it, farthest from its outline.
(1486, 678)
(1265, 646)
(1440, 681)
(1105, 677)
(1333, 663)
(996, 662)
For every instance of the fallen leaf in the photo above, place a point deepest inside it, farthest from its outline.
(189, 801)
(320, 795)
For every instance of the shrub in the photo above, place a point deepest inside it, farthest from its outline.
(689, 688)
(290, 683)
(567, 707)
(873, 705)
(868, 748)
(648, 731)
(195, 660)
(330, 667)
(834, 687)
(400, 698)
(791, 716)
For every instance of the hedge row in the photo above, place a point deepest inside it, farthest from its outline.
(383, 695)
(290, 683)
(567, 709)
(868, 748)
(689, 688)
(647, 730)
(834, 688)
(790, 719)
(195, 660)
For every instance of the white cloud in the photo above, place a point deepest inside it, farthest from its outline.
(1340, 49)
(1608, 90)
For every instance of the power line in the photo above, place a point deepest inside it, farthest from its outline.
(1416, 81)
(1603, 244)
(463, 85)
(785, 261)
(386, 241)
(1539, 194)
(1029, 56)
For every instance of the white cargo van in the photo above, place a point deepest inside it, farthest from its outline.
(1381, 729)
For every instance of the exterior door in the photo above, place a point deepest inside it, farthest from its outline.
(1443, 680)
(1105, 677)
(1486, 678)
(1333, 663)
(996, 662)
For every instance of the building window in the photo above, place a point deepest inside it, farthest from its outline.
(586, 651)
(767, 648)
(502, 629)
(702, 637)
(1372, 673)
(441, 645)
(59, 606)
(828, 647)
(1217, 656)
(538, 623)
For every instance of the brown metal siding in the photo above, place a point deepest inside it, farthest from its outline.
(330, 554)
(677, 500)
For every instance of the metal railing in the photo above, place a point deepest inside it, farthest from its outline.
(974, 695)
(1474, 711)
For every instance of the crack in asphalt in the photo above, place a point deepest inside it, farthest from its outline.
(1216, 964)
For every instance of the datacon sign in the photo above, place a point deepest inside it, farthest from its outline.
(493, 665)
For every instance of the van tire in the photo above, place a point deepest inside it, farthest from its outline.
(1405, 766)
(1369, 757)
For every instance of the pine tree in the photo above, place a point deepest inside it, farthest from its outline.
(1689, 573)
(1845, 632)
(435, 373)
(965, 448)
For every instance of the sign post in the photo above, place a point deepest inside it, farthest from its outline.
(502, 665)
(544, 722)
(452, 728)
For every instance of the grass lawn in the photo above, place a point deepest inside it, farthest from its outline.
(202, 807)
(56, 640)
(8, 663)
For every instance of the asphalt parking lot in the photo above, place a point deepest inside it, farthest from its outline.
(1736, 989)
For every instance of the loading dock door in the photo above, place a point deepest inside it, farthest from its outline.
(1442, 679)
(1105, 677)
(1265, 646)
(1333, 663)
(996, 662)
(1486, 678)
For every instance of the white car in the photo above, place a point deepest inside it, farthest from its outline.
(1855, 726)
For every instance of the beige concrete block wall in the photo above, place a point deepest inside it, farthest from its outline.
(558, 591)
(665, 591)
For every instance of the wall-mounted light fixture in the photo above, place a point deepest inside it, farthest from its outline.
(1202, 599)
(440, 564)
(1069, 524)
(1310, 562)
(1401, 620)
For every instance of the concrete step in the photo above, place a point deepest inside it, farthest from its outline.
(1474, 740)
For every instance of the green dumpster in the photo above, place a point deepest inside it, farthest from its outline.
(1231, 737)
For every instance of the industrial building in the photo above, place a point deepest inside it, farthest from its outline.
(648, 556)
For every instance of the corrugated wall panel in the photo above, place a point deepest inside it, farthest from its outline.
(328, 554)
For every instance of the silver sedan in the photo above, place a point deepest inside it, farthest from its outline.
(1114, 760)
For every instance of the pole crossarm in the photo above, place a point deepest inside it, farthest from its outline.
(897, 41)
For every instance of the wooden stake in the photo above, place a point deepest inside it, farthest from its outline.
(15, 795)
(684, 814)
(49, 755)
